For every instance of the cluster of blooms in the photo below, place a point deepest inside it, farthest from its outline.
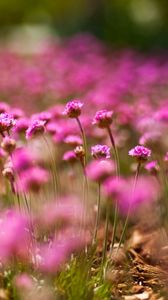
(29, 177)
(79, 132)
(100, 151)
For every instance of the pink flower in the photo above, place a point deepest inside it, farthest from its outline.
(17, 113)
(32, 179)
(22, 160)
(140, 152)
(52, 127)
(121, 190)
(100, 151)
(4, 107)
(66, 211)
(70, 156)
(73, 140)
(23, 281)
(21, 125)
(73, 109)
(6, 122)
(54, 257)
(14, 235)
(43, 116)
(35, 128)
(152, 167)
(103, 118)
(8, 144)
(166, 157)
(99, 170)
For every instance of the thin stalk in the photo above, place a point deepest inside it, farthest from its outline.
(129, 208)
(115, 151)
(106, 236)
(83, 138)
(117, 175)
(114, 227)
(98, 214)
(54, 172)
(86, 188)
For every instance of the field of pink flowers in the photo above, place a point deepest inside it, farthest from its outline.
(83, 171)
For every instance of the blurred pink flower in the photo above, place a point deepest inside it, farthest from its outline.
(100, 151)
(35, 128)
(121, 190)
(21, 125)
(103, 118)
(32, 179)
(73, 109)
(6, 122)
(140, 152)
(73, 140)
(63, 212)
(4, 107)
(23, 281)
(54, 256)
(99, 170)
(152, 167)
(14, 235)
(8, 144)
(22, 160)
(70, 156)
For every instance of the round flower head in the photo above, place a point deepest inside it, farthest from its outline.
(103, 118)
(166, 157)
(8, 144)
(32, 180)
(152, 167)
(4, 107)
(100, 151)
(36, 127)
(69, 156)
(22, 160)
(120, 190)
(99, 170)
(73, 109)
(43, 116)
(6, 122)
(21, 125)
(8, 173)
(73, 140)
(140, 152)
(17, 113)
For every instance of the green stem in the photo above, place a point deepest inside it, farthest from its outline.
(83, 138)
(115, 151)
(106, 236)
(114, 227)
(129, 208)
(98, 214)
(54, 171)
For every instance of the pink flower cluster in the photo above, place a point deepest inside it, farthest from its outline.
(29, 176)
(140, 152)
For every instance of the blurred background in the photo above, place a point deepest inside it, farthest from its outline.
(141, 24)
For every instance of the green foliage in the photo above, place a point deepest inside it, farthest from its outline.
(76, 282)
(142, 24)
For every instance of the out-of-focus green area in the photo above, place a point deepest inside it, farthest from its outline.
(139, 23)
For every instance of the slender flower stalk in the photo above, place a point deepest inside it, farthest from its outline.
(73, 111)
(114, 150)
(141, 154)
(105, 241)
(129, 208)
(114, 227)
(97, 214)
(54, 172)
(83, 139)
